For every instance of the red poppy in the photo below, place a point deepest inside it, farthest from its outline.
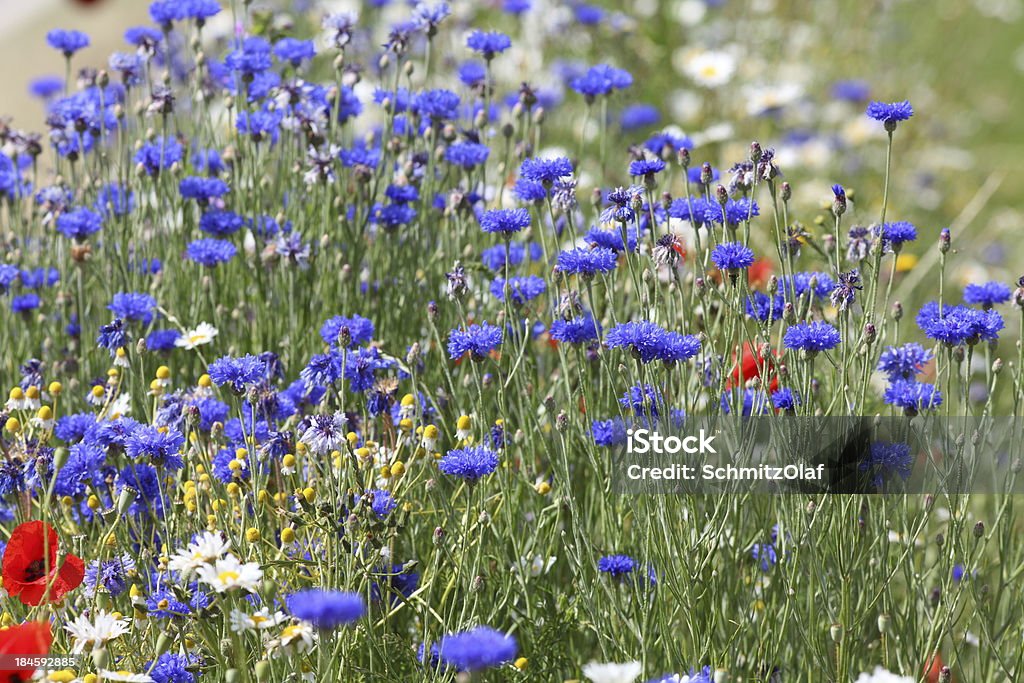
(752, 366)
(30, 568)
(760, 272)
(32, 639)
(934, 669)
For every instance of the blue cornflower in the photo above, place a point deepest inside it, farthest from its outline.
(210, 252)
(643, 400)
(736, 211)
(545, 171)
(895, 234)
(612, 238)
(220, 223)
(588, 15)
(162, 153)
(890, 114)
(959, 324)
(294, 51)
(732, 256)
(8, 276)
(113, 336)
(659, 142)
(755, 402)
(237, 372)
(401, 194)
(820, 285)
(162, 340)
(382, 502)
(494, 257)
(472, 74)
(887, 459)
(477, 340)
(26, 303)
(766, 554)
(436, 105)
(601, 80)
(261, 125)
(326, 609)
(621, 199)
(812, 337)
(146, 38)
(165, 12)
(617, 566)
(133, 307)
(172, 668)
(587, 262)
(912, 396)
(488, 43)
(505, 221)
(636, 116)
(252, 58)
(529, 190)
(697, 210)
(160, 448)
(467, 154)
(143, 481)
(37, 278)
(209, 161)
(82, 469)
(646, 168)
(46, 87)
(68, 42)
(110, 576)
(520, 289)
(361, 368)
(846, 289)
(785, 399)
(429, 17)
(987, 295)
(851, 90)
(202, 189)
(903, 362)
(73, 427)
(477, 649)
(643, 338)
(114, 200)
(360, 330)
(575, 330)
(677, 347)
(470, 463)
(79, 223)
(611, 432)
(764, 308)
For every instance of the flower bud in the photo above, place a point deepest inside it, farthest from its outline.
(944, 241)
(787, 192)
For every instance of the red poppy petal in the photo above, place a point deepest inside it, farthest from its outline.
(68, 578)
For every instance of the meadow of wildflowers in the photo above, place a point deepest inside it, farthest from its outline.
(323, 325)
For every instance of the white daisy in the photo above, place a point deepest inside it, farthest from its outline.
(880, 675)
(207, 547)
(710, 68)
(94, 634)
(613, 673)
(259, 620)
(297, 638)
(203, 334)
(230, 573)
(124, 676)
